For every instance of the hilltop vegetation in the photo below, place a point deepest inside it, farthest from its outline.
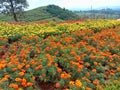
(61, 13)
(50, 12)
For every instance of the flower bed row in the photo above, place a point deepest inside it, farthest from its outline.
(43, 30)
(80, 60)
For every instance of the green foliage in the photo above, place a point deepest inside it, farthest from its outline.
(13, 7)
(5, 5)
(46, 13)
(112, 86)
(14, 38)
(63, 14)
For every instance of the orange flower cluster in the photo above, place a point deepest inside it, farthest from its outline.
(76, 83)
(12, 85)
(65, 75)
(2, 64)
(66, 60)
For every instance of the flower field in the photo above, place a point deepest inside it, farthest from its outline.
(66, 56)
(42, 30)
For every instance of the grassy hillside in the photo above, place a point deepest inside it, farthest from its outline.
(49, 13)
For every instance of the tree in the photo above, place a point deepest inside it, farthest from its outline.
(13, 7)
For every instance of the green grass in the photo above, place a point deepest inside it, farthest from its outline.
(40, 14)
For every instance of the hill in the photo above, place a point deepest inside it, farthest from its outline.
(50, 12)
(105, 13)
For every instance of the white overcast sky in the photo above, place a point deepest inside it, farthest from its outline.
(74, 4)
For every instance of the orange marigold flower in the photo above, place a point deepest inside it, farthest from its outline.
(2, 47)
(7, 76)
(21, 73)
(118, 69)
(116, 81)
(43, 74)
(24, 80)
(15, 86)
(78, 83)
(59, 70)
(87, 80)
(87, 88)
(2, 65)
(36, 68)
(93, 57)
(20, 89)
(29, 84)
(40, 66)
(94, 70)
(1, 88)
(99, 86)
(87, 64)
(112, 73)
(24, 60)
(88, 74)
(18, 79)
(96, 81)
(56, 64)
(4, 79)
(24, 84)
(65, 75)
(33, 77)
(14, 69)
(95, 63)
(112, 65)
(71, 83)
(66, 89)
(57, 85)
(20, 66)
(23, 70)
(49, 64)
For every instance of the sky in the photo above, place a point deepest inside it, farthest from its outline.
(74, 4)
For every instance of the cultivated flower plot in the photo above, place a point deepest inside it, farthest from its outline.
(42, 30)
(78, 59)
